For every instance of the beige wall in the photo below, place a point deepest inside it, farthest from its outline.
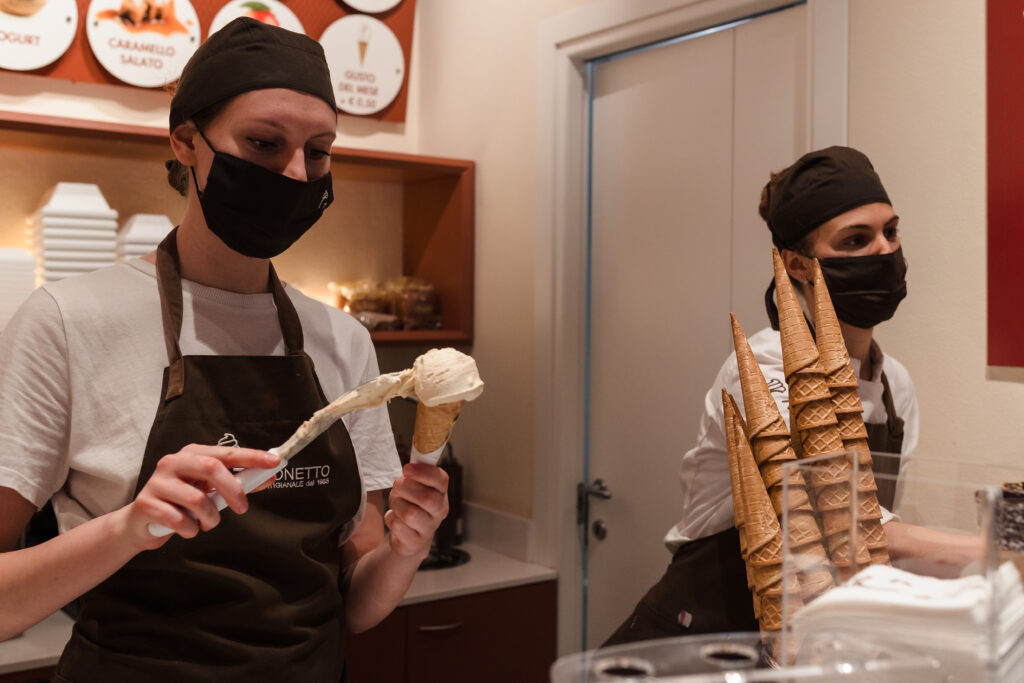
(917, 108)
(478, 100)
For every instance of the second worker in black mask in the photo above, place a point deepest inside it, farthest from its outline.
(829, 204)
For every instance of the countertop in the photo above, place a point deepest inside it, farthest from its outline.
(41, 645)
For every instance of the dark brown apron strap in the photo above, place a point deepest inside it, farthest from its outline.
(291, 328)
(886, 437)
(894, 421)
(171, 306)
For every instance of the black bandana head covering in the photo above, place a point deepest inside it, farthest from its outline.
(819, 186)
(250, 55)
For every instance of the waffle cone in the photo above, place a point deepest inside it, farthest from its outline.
(812, 570)
(767, 431)
(799, 351)
(813, 413)
(842, 383)
(434, 425)
(730, 413)
(880, 555)
(835, 359)
(776, 611)
(764, 538)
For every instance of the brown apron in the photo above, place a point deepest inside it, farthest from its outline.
(704, 589)
(257, 597)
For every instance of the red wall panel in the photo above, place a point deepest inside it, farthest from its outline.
(1005, 55)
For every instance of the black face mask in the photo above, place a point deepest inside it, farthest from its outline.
(258, 212)
(866, 290)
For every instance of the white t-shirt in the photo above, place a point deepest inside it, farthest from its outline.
(704, 471)
(81, 366)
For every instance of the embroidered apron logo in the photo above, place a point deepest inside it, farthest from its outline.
(299, 477)
(228, 440)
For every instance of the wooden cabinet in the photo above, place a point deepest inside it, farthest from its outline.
(500, 636)
(394, 214)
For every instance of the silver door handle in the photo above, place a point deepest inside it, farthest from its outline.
(599, 489)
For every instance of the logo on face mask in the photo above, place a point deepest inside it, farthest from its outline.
(324, 200)
(228, 440)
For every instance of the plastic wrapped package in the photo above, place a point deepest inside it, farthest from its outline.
(367, 301)
(414, 301)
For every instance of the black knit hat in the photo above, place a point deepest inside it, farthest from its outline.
(819, 186)
(250, 55)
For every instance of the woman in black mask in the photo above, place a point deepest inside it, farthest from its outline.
(829, 205)
(129, 393)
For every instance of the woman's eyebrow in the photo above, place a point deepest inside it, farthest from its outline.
(865, 226)
(274, 123)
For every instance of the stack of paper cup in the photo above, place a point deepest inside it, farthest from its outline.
(141, 234)
(17, 280)
(74, 232)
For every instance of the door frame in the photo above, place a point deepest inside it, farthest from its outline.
(565, 43)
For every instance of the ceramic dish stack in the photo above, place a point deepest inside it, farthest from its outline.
(74, 232)
(17, 280)
(141, 234)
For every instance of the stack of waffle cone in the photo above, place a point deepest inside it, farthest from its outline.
(814, 423)
(762, 531)
(770, 443)
(729, 411)
(842, 383)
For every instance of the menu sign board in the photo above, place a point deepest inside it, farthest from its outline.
(35, 33)
(133, 42)
(366, 61)
(143, 43)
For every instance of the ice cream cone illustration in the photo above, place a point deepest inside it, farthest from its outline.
(814, 424)
(729, 412)
(364, 42)
(770, 443)
(764, 537)
(842, 383)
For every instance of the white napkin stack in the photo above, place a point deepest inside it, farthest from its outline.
(141, 234)
(951, 616)
(75, 231)
(17, 280)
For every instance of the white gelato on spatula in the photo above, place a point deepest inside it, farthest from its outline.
(442, 379)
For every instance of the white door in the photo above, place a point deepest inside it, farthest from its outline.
(682, 138)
